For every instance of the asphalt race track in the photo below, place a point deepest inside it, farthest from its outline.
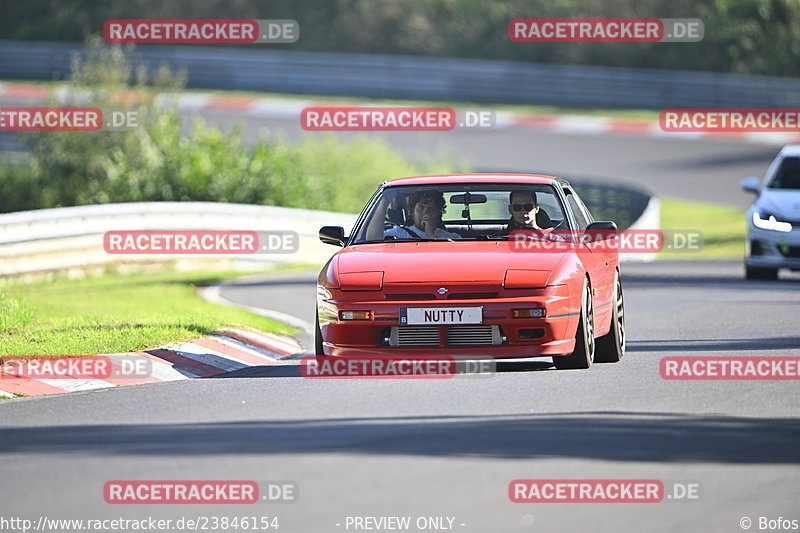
(421, 447)
(451, 447)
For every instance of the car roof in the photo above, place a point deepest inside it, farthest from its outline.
(476, 178)
(792, 150)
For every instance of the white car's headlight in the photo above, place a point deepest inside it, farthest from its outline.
(770, 222)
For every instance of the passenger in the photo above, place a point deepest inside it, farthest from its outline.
(427, 208)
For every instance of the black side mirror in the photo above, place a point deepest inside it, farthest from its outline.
(602, 230)
(605, 225)
(332, 235)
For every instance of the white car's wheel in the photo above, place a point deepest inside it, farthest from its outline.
(760, 273)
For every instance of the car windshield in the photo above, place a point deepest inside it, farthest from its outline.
(459, 212)
(788, 175)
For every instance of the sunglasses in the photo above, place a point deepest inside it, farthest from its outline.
(522, 207)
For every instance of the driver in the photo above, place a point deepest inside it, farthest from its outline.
(427, 208)
(523, 207)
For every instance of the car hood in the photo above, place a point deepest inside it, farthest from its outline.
(410, 262)
(784, 204)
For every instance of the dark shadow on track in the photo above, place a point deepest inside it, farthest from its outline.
(711, 345)
(611, 436)
(294, 371)
(643, 281)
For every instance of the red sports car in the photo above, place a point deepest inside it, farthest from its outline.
(435, 266)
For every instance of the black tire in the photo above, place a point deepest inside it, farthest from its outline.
(583, 355)
(760, 273)
(318, 340)
(611, 346)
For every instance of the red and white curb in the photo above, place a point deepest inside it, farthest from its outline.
(225, 351)
(290, 109)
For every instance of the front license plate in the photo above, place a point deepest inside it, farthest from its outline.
(415, 316)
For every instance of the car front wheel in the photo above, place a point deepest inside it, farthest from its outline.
(318, 339)
(760, 273)
(583, 355)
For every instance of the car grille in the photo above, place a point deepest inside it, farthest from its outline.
(472, 295)
(478, 335)
(414, 336)
(453, 296)
(473, 335)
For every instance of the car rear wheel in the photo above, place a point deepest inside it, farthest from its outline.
(583, 355)
(760, 272)
(611, 346)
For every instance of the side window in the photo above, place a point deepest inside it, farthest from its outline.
(585, 209)
(577, 209)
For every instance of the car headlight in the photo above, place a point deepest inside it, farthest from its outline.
(765, 221)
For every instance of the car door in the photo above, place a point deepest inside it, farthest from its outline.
(599, 261)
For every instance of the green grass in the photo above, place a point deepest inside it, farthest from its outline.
(724, 228)
(641, 114)
(115, 314)
(13, 314)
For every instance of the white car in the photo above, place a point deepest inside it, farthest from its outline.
(773, 235)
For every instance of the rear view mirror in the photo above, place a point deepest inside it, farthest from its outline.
(468, 198)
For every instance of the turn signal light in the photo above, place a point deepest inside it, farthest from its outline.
(355, 315)
(527, 313)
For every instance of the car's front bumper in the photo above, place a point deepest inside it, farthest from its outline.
(773, 249)
(554, 333)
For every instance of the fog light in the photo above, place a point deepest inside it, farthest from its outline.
(355, 315)
(527, 313)
(531, 333)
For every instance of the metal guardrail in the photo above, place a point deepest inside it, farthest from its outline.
(71, 238)
(406, 77)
